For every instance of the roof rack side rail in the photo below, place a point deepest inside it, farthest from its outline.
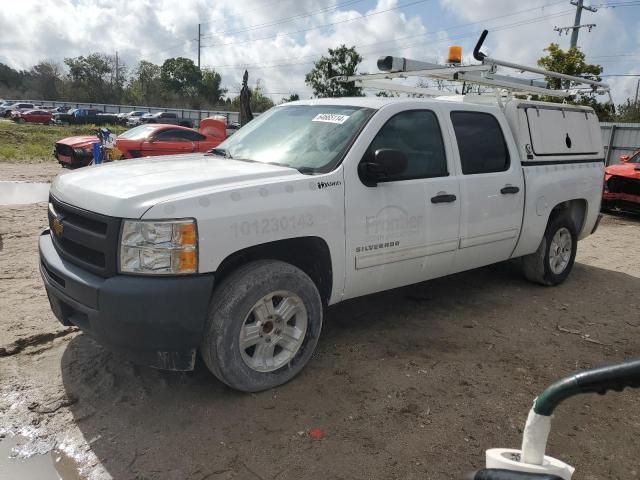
(478, 55)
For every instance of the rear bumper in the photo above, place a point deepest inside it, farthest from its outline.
(153, 321)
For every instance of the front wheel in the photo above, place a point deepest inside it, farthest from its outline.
(263, 326)
(553, 261)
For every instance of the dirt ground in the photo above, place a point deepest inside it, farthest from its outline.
(413, 383)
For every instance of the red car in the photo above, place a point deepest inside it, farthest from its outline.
(622, 184)
(32, 116)
(146, 141)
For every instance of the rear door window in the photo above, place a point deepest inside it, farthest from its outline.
(481, 143)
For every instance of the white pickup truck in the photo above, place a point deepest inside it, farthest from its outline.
(237, 252)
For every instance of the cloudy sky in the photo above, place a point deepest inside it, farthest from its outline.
(278, 40)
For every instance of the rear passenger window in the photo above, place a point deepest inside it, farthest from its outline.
(480, 142)
(417, 134)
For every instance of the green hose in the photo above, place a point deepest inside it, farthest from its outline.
(599, 380)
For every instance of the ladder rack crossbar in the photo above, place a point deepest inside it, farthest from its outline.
(481, 74)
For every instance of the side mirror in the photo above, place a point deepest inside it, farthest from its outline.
(624, 158)
(386, 163)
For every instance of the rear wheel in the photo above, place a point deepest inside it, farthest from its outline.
(263, 326)
(553, 261)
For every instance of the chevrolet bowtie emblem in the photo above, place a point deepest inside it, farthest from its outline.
(57, 226)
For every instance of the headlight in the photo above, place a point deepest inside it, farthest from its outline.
(159, 247)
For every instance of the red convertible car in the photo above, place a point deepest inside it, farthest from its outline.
(32, 116)
(145, 141)
(622, 184)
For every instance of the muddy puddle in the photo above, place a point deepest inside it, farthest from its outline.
(22, 193)
(16, 462)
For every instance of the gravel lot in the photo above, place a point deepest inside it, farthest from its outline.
(413, 383)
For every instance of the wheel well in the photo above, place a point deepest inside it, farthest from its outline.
(576, 209)
(309, 254)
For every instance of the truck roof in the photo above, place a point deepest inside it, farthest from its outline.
(368, 102)
(488, 100)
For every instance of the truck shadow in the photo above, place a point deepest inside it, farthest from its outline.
(381, 360)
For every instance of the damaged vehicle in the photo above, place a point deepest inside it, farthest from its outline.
(145, 141)
(622, 185)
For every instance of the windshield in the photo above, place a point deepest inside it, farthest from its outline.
(138, 133)
(310, 138)
(635, 158)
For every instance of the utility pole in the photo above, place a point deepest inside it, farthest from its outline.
(576, 23)
(199, 45)
(117, 69)
(575, 28)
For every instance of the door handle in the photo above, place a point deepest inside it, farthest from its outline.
(509, 189)
(443, 198)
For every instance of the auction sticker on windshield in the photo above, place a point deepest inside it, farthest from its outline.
(331, 118)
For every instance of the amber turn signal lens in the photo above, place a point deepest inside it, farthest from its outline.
(187, 234)
(455, 54)
(187, 261)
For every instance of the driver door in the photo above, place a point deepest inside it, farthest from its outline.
(406, 229)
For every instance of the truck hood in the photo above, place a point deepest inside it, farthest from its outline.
(628, 170)
(129, 188)
(82, 141)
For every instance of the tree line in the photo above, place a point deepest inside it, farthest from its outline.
(100, 78)
(178, 82)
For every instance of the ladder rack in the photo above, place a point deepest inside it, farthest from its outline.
(481, 74)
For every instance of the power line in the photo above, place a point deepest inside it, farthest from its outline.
(617, 4)
(451, 27)
(286, 19)
(318, 26)
(467, 35)
(244, 12)
(397, 47)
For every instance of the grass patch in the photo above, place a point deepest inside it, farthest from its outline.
(34, 143)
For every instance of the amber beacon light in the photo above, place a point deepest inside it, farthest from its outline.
(455, 54)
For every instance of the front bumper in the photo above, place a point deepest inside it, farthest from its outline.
(152, 321)
(621, 201)
(72, 158)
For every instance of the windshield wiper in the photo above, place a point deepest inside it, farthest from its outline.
(221, 152)
(306, 170)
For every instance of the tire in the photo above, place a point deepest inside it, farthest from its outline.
(546, 267)
(237, 306)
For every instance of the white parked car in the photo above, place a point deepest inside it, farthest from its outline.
(236, 253)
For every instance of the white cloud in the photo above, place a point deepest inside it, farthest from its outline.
(33, 30)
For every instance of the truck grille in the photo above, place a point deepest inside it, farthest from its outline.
(623, 185)
(87, 239)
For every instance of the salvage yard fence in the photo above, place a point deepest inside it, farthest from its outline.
(619, 139)
(195, 115)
